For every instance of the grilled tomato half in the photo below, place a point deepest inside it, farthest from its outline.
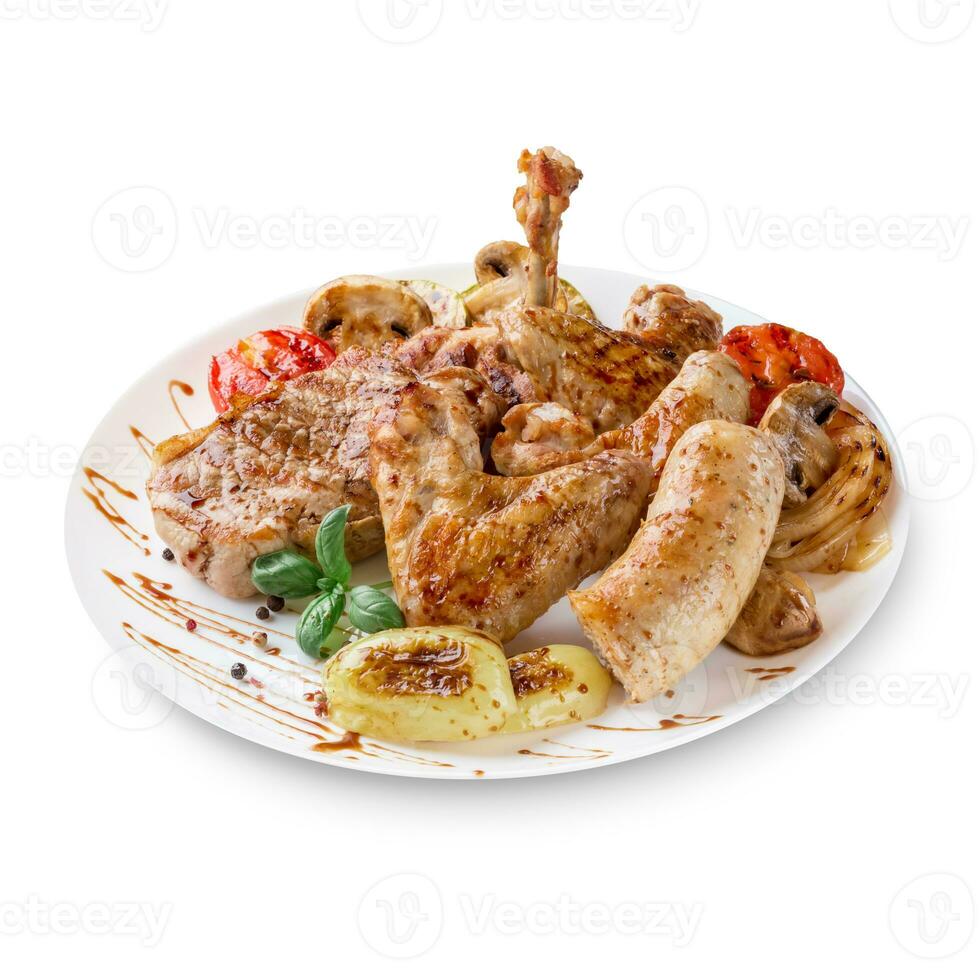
(425, 683)
(269, 355)
(556, 685)
(772, 357)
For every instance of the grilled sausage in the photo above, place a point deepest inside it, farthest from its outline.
(661, 608)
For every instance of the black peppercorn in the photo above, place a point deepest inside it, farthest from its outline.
(238, 671)
(275, 602)
(262, 612)
(168, 555)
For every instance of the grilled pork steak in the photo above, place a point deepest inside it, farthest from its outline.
(261, 477)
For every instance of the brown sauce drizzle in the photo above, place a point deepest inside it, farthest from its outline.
(677, 721)
(216, 682)
(146, 444)
(156, 598)
(580, 751)
(185, 389)
(95, 491)
(769, 673)
(347, 741)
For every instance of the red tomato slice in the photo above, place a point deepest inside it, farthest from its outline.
(283, 354)
(269, 355)
(772, 357)
(228, 375)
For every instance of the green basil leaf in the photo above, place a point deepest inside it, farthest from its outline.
(318, 620)
(330, 545)
(372, 611)
(285, 573)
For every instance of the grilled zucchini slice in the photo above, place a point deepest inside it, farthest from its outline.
(576, 302)
(445, 304)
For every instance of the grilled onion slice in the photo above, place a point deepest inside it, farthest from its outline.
(816, 535)
(429, 683)
(556, 685)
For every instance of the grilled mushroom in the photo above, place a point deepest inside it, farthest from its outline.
(500, 260)
(366, 311)
(795, 422)
(780, 615)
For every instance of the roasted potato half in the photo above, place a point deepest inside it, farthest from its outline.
(428, 683)
(556, 685)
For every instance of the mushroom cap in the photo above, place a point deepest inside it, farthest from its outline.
(366, 311)
(795, 422)
(780, 615)
(499, 260)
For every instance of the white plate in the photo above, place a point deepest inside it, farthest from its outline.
(144, 623)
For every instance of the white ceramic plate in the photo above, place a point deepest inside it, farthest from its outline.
(140, 603)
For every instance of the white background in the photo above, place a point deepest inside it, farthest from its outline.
(790, 837)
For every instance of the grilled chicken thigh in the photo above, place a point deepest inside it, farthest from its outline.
(490, 552)
(261, 477)
(540, 355)
(537, 438)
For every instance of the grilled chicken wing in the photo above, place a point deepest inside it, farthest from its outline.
(490, 552)
(262, 476)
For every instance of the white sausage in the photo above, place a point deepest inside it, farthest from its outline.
(661, 608)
